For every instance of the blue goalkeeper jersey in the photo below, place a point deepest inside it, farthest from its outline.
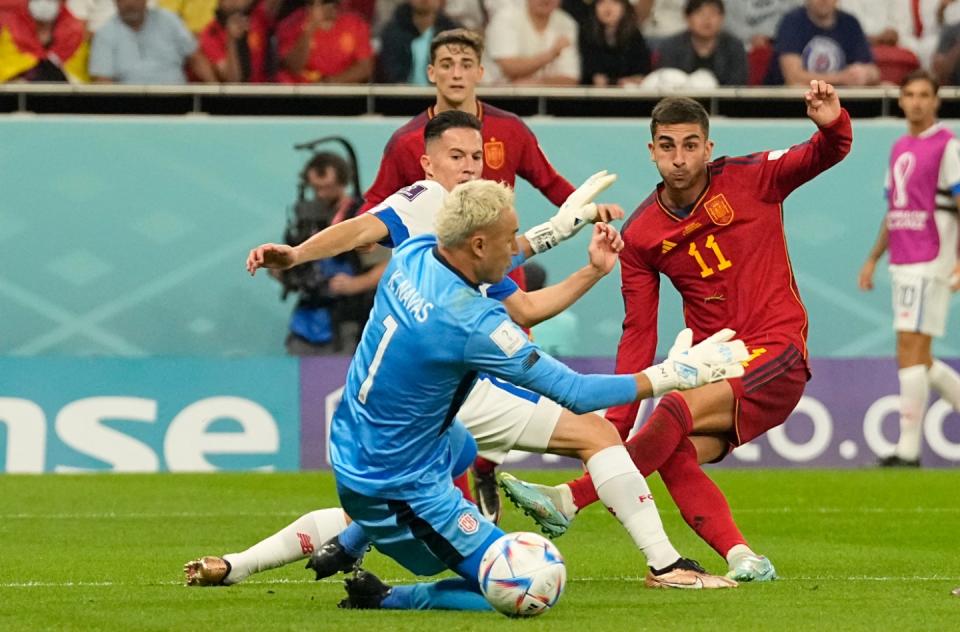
(429, 332)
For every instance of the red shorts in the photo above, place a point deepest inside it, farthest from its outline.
(767, 393)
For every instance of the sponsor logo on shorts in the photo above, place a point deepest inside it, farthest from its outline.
(468, 523)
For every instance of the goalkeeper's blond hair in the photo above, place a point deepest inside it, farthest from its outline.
(470, 207)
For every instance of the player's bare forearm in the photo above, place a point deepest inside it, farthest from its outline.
(340, 238)
(644, 387)
(517, 68)
(528, 309)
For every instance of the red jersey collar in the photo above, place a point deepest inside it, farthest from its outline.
(432, 111)
(697, 202)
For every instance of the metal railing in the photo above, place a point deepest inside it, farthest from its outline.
(352, 100)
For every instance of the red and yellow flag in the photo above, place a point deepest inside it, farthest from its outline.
(21, 50)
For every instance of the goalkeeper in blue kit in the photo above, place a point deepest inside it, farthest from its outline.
(394, 438)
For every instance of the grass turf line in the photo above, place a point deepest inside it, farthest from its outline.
(857, 550)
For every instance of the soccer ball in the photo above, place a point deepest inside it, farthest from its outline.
(522, 574)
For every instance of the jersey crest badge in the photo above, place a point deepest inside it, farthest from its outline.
(719, 210)
(494, 153)
(468, 523)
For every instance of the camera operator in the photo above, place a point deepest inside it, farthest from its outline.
(334, 295)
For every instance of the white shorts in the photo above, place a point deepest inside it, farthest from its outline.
(503, 417)
(920, 303)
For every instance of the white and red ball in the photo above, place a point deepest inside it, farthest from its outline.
(522, 574)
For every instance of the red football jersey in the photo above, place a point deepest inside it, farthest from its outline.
(728, 258)
(509, 150)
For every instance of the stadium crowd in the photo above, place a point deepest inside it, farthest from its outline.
(650, 43)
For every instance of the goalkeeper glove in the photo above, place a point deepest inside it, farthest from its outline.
(577, 210)
(719, 357)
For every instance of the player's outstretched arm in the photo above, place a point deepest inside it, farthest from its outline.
(531, 308)
(823, 103)
(574, 214)
(500, 348)
(865, 278)
(329, 242)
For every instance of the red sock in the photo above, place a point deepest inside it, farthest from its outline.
(669, 423)
(483, 466)
(701, 502)
(462, 483)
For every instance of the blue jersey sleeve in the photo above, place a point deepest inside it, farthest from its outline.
(502, 290)
(497, 346)
(398, 232)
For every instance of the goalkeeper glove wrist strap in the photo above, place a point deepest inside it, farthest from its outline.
(662, 378)
(543, 237)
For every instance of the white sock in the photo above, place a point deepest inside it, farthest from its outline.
(946, 381)
(294, 542)
(736, 553)
(914, 393)
(625, 492)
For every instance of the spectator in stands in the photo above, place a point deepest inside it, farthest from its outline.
(705, 45)
(321, 44)
(888, 27)
(755, 21)
(660, 19)
(405, 42)
(470, 14)
(44, 42)
(612, 49)
(142, 45)
(928, 19)
(818, 41)
(946, 61)
(235, 42)
(535, 44)
(881, 21)
(96, 13)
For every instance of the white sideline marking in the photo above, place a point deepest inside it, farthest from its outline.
(400, 580)
(293, 513)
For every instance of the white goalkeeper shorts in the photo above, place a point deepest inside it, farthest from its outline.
(920, 303)
(504, 417)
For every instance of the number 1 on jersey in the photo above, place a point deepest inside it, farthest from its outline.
(391, 327)
(722, 262)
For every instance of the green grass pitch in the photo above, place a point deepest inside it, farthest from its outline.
(856, 550)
